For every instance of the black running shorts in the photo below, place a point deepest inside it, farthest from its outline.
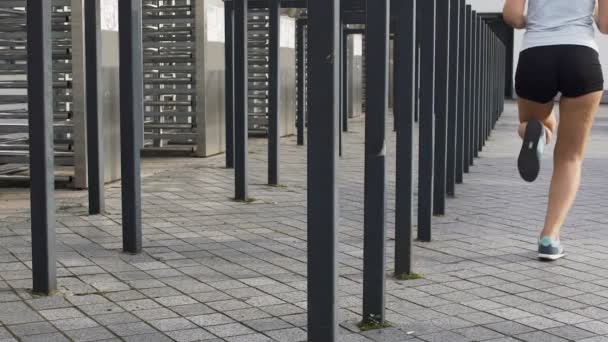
(573, 70)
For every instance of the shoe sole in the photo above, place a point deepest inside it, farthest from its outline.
(528, 163)
(551, 257)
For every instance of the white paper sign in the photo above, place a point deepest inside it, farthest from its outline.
(109, 15)
(215, 24)
(288, 33)
(357, 45)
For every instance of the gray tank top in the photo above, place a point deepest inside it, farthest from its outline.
(560, 22)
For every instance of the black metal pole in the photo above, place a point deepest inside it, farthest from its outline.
(345, 92)
(479, 83)
(426, 119)
(404, 76)
(340, 85)
(274, 91)
(240, 100)
(131, 120)
(376, 98)
(476, 94)
(229, 92)
(441, 101)
(42, 167)
(95, 156)
(453, 98)
(323, 131)
(301, 74)
(468, 111)
(461, 109)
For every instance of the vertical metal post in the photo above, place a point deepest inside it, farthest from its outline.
(95, 156)
(376, 99)
(273, 91)
(323, 130)
(301, 74)
(241, 108)
(426, 119)
(345, 92)
(42, 166)
(468, 111)
(441, 100)
(477, 95)
(453, 99)
(460, 110)
(404, 76)
(342, 90)
(229, 92)
(131, 120)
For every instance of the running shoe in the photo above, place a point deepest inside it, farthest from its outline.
(550, 249)
(532, 151)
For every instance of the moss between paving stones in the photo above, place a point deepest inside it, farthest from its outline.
(408, 276)
(373, 323)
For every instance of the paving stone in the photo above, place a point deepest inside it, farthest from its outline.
(57, 314)
(37, 328)
(267, 324)
(74, 323)
(90, 334)
(509, 328)
(540, 336)
(595, 327)
(538, 322)
(570, 333)
(478, 333)
(172, 324)
(17, 313)
(445, 336)
(190, 335)
(128, 329)
(227, 330)
(54, 337)
(288, 335)
(210, 320)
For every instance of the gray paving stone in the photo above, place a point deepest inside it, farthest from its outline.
(54, 337)
(156, 337)
(210, 320)
(17, 313)
(37, 328)
(570, 333)
(90, 334)
(74, 323)
(249, 338)
(540, 336)
(596, 327)
(228, 330)
(478, 333)
(128, 329)
(172, 324)
(190, 335)
(509, 328)
(288, 335)
(445, 336)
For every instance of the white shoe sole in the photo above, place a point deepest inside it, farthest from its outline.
(551, 256)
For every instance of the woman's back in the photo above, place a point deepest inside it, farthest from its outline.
(560, 22)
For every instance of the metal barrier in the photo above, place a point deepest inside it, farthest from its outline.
(461, 79)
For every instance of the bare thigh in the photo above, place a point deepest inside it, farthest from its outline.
(529, 110)
(576, 119)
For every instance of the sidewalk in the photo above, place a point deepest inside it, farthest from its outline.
(217, 270)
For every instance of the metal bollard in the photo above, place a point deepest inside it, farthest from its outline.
(42, 168)
(323, 123)
(426, 119)
(131, 114)
(376, 99)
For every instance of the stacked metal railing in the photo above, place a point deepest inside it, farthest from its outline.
(258, 70)
(169, 69)
(14, 142)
